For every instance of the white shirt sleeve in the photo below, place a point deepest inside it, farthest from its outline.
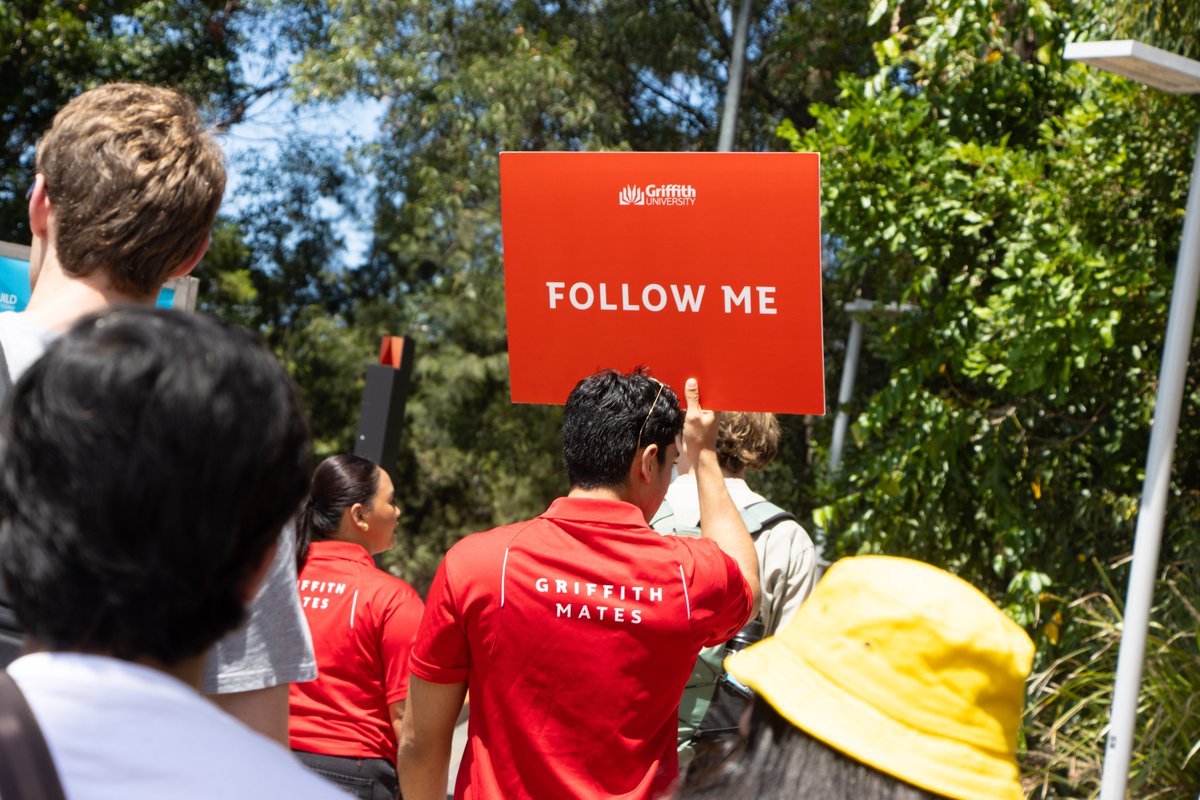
(787, 564)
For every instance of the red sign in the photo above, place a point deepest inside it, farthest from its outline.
(703, 265)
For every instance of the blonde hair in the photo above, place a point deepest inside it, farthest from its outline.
(747, 440)
(135, 181)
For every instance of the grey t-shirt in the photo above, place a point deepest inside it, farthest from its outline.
(22, 341)
(274, 645)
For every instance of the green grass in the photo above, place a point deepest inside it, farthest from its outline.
(1066, 718)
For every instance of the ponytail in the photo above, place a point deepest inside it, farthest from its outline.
(338, 483)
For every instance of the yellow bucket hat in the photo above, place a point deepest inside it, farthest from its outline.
(905, 668)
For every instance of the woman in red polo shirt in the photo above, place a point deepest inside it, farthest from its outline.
(345, 724)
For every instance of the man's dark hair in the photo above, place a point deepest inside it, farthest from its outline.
(608, 418)
(782, 762)
(337, 483)
(147, 464)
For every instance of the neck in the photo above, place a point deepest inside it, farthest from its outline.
(190, 670)
(599, 493)
(351, 534)
(684, 468)
(645, 503)
(58, 300)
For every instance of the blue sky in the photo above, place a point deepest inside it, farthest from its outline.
(269, 123)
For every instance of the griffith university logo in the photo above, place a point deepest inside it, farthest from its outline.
(657, 194)
(631, 196)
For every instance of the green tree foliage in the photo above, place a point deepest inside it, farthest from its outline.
(276, 268)
(1029, 210)
(51, 51)
(462, 82)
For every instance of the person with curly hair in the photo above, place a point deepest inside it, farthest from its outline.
(711, 705)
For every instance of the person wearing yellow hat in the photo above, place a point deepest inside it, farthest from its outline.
(895, 681)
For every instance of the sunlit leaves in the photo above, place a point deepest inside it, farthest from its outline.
(1028, 210)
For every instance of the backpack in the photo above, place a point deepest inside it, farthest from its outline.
(713, 700)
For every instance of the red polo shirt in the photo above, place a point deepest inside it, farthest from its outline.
(576, 632)
(362, 621)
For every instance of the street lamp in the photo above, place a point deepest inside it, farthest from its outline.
(1178, 75)
(856, 310)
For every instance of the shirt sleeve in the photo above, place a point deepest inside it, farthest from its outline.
(273, 646)
(787, 565)
(440, 653)
(398, 629)
(719, 595)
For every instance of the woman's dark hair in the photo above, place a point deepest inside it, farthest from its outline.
(148, 462)
(608, 417)
(781, 762)
(339, 482)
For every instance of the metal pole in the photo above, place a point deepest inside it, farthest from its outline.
(849, 370)
(1144, 568)
(733, 90)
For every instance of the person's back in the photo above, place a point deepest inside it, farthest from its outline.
(586, 627)
(575, 631)
(712, 706)
(119, 730)
(345, 725)
(147, 464)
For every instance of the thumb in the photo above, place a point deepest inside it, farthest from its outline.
(692, 393)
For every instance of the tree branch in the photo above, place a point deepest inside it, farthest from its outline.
(238, 112)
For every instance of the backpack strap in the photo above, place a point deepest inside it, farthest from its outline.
(10, 631)
(763, 515)
(713, 701)
(758, 516)
(6, 381)
(26, 767)
(663, 520)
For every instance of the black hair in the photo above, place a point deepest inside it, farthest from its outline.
(148, 462)
(338, 483)
(781, 762)
(608, 418)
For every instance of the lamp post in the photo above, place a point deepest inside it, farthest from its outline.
(733, 89)
(1177, 75)
(857, 310)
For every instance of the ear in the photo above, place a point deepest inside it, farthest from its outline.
(648, 465)
(39, 208)
(193, 260)
(358, 515)
(255, 579)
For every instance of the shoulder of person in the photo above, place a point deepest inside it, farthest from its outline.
(396, 589)
(484, 547)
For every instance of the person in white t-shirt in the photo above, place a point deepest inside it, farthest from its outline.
(148, 462)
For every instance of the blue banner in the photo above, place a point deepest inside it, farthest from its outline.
(14, 286)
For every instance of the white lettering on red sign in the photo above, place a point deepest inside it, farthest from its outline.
(683, 298)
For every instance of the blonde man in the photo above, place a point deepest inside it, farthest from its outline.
(127, 189)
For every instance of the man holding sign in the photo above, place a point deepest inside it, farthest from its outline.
(576, 631)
